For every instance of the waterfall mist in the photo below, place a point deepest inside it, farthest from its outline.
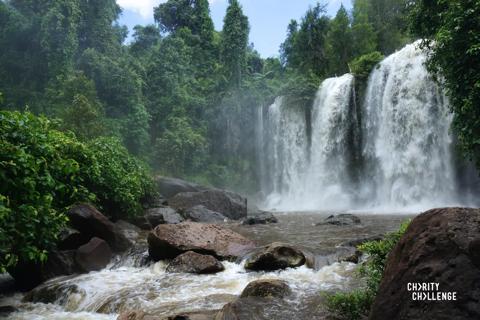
(393, 152)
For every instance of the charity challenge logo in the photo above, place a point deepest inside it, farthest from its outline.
(429, 291)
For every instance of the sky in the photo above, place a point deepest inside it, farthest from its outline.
(268, 18)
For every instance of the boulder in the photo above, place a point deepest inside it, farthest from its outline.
(93, 256)
(169, 187)
(231, 205)
(192, 262)
(343, 219)
(130, 231)
(440, 246)
(28, 275)
(167, 241)
(71, 239)
(266, 288)
(260, 218)
(163, 215)
(89, 221)
(275, 256)
(202, 214)
(54, 292)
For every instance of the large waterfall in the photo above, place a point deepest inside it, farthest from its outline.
(391, 152)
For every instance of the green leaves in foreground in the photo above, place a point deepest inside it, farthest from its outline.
(44, 171)
(356, 305)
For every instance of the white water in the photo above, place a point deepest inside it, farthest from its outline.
(400, 159)
(152, 290)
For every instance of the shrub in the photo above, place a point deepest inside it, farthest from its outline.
(356, 305)
(44, 171)
(363, 65)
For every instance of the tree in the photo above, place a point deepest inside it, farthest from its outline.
(287, 48)
(339, 43)
(144, 39)
(363, 32)
(450, 31)
(235, 43)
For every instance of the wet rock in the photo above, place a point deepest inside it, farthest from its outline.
(343, 219)
(440, 246)
(71, 239)
(28, 275)
(260, 218)
(163, 215)
(7, 310)
(170, 240)
(231, 205)
(202, 214)
(192, 262)
(93, 256)
(129, 231)
(169, 187)
(201, 315)
(89, 221)
(275, 256)
(266, 288)
(53, 292)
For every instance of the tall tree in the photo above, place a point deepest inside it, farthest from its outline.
(235, 42)
(339, 43)
(363, 31)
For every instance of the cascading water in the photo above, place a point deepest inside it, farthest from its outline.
(399, 159)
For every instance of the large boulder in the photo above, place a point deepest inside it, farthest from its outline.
(275, 256)
(266, 288)
(71, 239)
(440, 247)
(202, 214)
(192, 262)
(343, 219)
(231, 205)
(169, 187)
(93, 256)
(167, 241)
(90, 222)
(260, 217)
(163, 215)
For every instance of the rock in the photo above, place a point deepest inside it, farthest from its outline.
(275, 256)
(192, 262)
(93, 256)
(440, 246)
(71, 239)
(141, 221)
(129, 231)
(266, 288)
(169, 187)
(231, 205)
(54, 292)
(28, 275)
(132, 315)
(7, 310)
(260, 218)
(167, 241)
(91, 222)
(163, 215)
(343, 219)
(202, 214)
(201, 315)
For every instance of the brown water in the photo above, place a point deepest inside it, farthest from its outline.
(125, 286)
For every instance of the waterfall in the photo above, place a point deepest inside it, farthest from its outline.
(408, 145)
(393, 152)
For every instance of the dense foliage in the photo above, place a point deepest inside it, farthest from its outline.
(44, 171)
(356, 305)
(450, 30)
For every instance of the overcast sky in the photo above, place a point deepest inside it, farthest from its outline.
(268, 18)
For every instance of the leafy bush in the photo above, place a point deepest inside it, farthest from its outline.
(356, 305)
(363, 65)
(44, 171)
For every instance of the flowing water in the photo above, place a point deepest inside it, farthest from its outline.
(126, 286)
(393, 152)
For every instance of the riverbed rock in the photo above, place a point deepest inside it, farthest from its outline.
(202, 214)
(231, 205)
(266, 288)
(260, 217)
(167, 241)
(163, 215)
(89, 221)
(53, 292)
(169, 187)
(274, 257)
(440, 246)
(192, 262)
(93, 256)
(343, 219)
(71, 239)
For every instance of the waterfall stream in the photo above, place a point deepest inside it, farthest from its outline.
(393, 152)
